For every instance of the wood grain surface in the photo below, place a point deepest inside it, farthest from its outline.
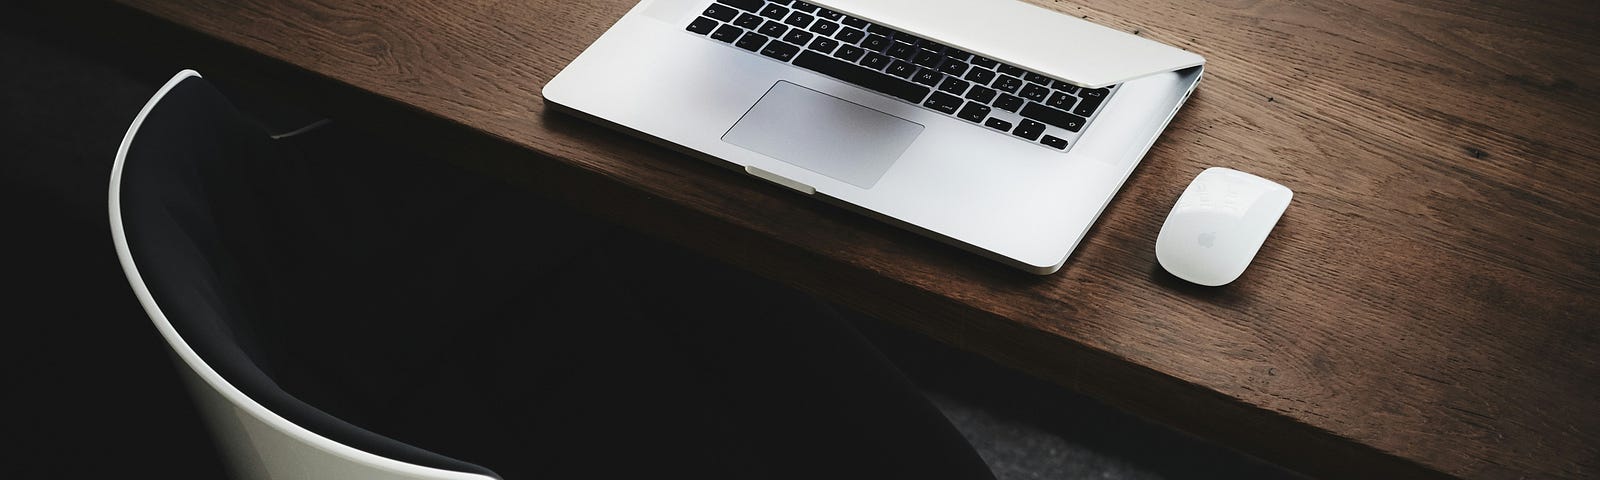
(1429, 305)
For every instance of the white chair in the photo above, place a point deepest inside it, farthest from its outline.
(165, 235)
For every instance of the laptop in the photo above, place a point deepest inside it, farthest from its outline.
(996, 126)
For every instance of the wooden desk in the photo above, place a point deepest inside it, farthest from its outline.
(1428, 305)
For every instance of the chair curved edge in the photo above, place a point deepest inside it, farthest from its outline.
(246, 410)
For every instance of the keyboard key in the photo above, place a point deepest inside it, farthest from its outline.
(902, 69)
(1010, 70)
(953, 66)
(1057, 143)
(1095, 93)
(856, 22)
(824, 44)
(797, 37)
(780, 50)
(875, 61)
(981, 76)
(876, 43)
(1064, 86)
(748, 21)
(879, 29)
(775, 12)
(773, 29)
(721, 12)
(850, 35)
(1062, 100)
(830, 15)
(901, 50)
(781, 2)
(926, 77)
(927, 58)
(805, 7)
(799, 20)
(984, 62)
(981, 93)
(1087, 107)
(862, 77)
(1036, 78)
(746, 5)
(849, 53)
(1029, 129)
(824, 27)
(998, 124)
(727, 33)
(752, 41)
(974, 112)
(957, 54)
(954, 86)
(1052, 116)
(943, 102)
(1035, 92)
(1007, 83)
(702, 25)
(1008, 103)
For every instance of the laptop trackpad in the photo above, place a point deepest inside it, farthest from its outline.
(824, 134)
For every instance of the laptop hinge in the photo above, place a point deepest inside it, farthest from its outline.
(775, 178)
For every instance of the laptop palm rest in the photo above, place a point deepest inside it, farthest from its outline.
(824, 134)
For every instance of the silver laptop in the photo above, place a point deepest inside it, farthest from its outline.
(994, 125)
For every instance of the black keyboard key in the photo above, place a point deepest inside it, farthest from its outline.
(943, 102)
(727, 33)
(824, 44)
(1035, 92)
(721, 12)
(780, 50)
(775, 12)
(862, 77)
(953, 66)
(799, 20)
(876, 43)
(981, 76)
(957, 54)
(1095, 92)
(954, 86)
(748, 21)
(974, 112)
(746, 5)
(1008, 103)
(1053, 142)
(875, 61)
(703, 25)
(856, 22)
(1052, 116)
(901, 50)
(1061, 100)
(805, 7)
(926, 77)
(1036, 78)
(1029, 129)
(998, 124)
(904, 37)
(773, 29)
(830, 15)
(797, 37)
(981, 93)
(849, 53)
(984, 62)
(927, 58)
(781, 2)
(1007, 83)
(879, 29)
(1064, 86)
(1010, 70)
(752, 41)
(902, 69)
(824, 27)
(1087, 107)
(850, 35)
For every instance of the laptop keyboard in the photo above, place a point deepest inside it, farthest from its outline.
(1026, 105)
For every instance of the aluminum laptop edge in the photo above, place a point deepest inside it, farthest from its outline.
(956, 180)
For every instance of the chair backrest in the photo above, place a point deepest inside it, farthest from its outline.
(165, 229)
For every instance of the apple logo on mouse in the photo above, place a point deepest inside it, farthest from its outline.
(1208, 239)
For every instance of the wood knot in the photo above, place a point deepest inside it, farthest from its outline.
(1476, 152)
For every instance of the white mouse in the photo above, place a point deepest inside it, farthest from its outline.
(1218, 225)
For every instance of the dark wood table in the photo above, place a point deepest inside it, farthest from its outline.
(1429, 305)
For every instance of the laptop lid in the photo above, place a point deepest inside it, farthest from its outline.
(1060, 46)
